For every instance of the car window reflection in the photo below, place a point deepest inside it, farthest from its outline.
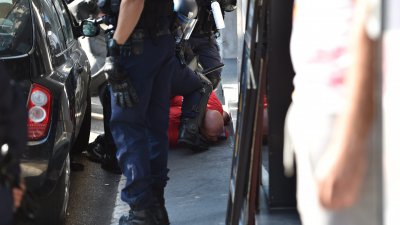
(16, 36)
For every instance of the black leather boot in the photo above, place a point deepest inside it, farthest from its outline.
(190, 137)
(95, 149)
(160, 211)
(139, 217)
(110, 164)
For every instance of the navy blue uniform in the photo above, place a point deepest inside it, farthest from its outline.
(185, 82)
(203, 40)
(206, 47)
(13, 132)
(140, 132)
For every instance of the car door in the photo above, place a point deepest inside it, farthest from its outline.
(79, 71)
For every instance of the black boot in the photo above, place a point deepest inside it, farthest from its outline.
(110, 164)
(160, 211)
(109, 161)
(95, 151)
(139, 217)
(161, 214)
(190, 137)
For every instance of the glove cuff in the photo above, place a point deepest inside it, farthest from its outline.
(113, 49)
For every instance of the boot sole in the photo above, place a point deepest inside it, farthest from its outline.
(190, 145)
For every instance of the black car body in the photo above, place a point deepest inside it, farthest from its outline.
(95, 47)
(39, 48)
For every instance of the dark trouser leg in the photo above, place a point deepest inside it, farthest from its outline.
(189, 130)
(106, 102)
(158, 140)
(208, 51)
(6, 206)
(196, 90)
(109, 161)
(131, 128)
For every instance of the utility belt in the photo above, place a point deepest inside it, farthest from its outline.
(135, 42)
(203, 34)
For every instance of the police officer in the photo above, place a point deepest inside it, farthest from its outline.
(203, 39)
(12, 142)
(194, 86)
(203, 44)
(139, 66)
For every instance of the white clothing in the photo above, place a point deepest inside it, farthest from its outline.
(320, 51)
(309, 134)
(321, 57)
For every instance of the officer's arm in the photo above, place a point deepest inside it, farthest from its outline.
(129, 14)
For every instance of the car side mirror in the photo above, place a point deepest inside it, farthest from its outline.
(90, 28)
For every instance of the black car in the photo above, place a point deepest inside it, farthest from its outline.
(39, 47)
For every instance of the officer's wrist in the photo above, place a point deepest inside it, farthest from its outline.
(118, 39)
(113, 48)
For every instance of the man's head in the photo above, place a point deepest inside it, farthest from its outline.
(213, 125)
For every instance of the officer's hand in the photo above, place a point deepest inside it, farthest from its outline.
(123, 91)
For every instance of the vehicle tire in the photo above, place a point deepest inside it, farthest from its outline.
(65, 183)
(82, 141)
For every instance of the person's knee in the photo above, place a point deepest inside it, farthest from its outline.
(213, 125)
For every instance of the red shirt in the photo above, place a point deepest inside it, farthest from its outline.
(175, 111)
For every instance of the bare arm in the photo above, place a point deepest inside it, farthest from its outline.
(129, 15)
(361, 80)
(341, 171)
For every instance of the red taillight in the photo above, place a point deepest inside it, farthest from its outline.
(39, 112)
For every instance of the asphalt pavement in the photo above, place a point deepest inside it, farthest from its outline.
(93, 190)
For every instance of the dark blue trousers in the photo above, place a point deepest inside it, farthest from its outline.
(140, 133)
(208, 51)
(187, 83)
(6, 206)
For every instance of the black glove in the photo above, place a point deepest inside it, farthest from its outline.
(122, 89)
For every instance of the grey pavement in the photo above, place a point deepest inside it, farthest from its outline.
(93, 191)
(197, 193)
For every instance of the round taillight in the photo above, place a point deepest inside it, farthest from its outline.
(39, 98)
(37, 114)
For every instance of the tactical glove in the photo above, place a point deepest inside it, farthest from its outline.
(122, 89)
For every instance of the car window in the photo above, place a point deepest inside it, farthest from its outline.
(16, 33)
(54, 35)
(65, 21)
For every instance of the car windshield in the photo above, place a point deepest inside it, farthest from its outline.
(15, 27)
